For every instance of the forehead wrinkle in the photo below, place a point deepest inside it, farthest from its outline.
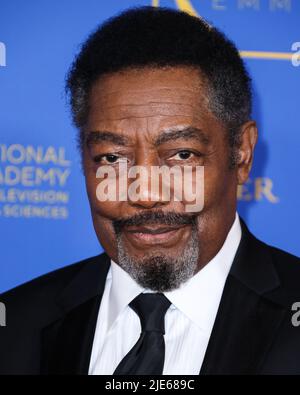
(177, 98)
(122, 112)
(155, 103)
(138, 91)
(122, 99)
(146, 116)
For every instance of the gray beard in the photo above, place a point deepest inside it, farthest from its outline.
(159, 272)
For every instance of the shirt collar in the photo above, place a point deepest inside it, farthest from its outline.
(123, 290)
(205, 287)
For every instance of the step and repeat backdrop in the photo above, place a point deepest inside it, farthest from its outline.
(44, 214)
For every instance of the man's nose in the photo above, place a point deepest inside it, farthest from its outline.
(150, 193)
(144, 191)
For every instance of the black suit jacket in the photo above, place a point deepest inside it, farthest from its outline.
(51, 320)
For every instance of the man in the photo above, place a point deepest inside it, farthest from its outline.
(176, 292)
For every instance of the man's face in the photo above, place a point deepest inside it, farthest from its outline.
(136, 117)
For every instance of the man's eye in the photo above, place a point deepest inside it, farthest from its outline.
(109, 159)
(183, 155)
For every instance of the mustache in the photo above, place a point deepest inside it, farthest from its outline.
(170, 218)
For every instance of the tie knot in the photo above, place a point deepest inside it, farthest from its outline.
(151, 308)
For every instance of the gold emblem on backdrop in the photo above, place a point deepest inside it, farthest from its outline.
(220, 5)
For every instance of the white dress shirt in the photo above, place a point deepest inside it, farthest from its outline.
(188, 321)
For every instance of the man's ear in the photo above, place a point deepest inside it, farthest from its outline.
(246, 150)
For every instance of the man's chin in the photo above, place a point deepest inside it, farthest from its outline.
(159, 270)
(157, 273)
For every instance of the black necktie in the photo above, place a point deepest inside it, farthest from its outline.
(148, 355)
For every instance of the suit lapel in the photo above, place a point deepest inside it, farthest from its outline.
(247, 320)
(67, 342)
(245, 327)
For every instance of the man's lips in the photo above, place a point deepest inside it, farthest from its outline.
(153, 234)
(155, 229)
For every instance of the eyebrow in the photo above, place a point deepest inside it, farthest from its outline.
(96, 137)
(183, 133)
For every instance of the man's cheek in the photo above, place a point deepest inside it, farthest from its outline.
(193, 188)
(92, 187)
(106, 236)
(215, 185)
(106, 210)
(103, 226)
